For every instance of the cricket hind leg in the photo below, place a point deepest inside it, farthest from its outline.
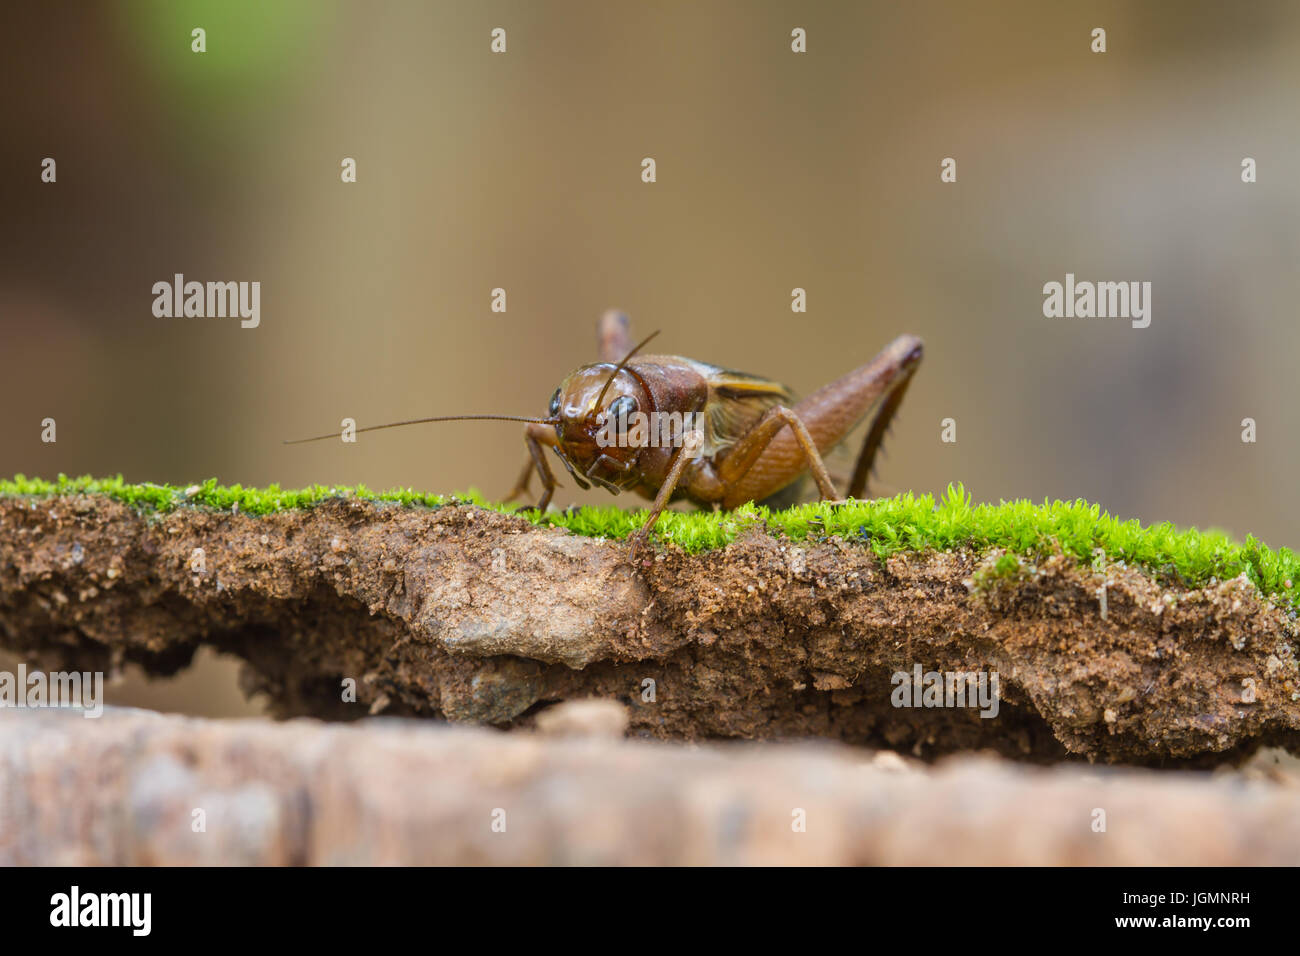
(614, 336)
(768, 458)
(872, 444)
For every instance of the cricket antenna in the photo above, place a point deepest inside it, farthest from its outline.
(618, 368)
(439, 418)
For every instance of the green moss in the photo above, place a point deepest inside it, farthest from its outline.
(906, 522)
(1005, 570)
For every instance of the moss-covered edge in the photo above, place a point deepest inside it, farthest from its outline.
(906, 522)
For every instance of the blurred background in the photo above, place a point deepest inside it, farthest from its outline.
(775, 170)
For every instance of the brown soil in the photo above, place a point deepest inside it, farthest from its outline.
(485, 618)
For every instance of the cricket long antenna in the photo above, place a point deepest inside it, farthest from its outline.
(618, 368)
(439, 418)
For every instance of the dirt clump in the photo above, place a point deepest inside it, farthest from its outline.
(355, 607)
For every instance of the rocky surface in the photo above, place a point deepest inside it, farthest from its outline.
(134, 787)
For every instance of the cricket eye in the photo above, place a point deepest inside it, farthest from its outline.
(621, 409)
(555, 403)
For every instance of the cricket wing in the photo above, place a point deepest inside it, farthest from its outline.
(737, 401)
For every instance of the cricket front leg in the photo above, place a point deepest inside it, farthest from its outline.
(536, 437)
(770, 456)
(691, 443)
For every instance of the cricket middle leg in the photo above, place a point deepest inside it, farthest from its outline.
(770, 456)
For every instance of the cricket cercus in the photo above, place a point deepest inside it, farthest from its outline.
(671, 428)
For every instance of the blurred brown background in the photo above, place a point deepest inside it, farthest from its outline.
(775, 170)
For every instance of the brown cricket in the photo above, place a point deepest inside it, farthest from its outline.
(671, 428)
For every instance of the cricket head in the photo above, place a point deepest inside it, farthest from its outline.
(594, 411)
